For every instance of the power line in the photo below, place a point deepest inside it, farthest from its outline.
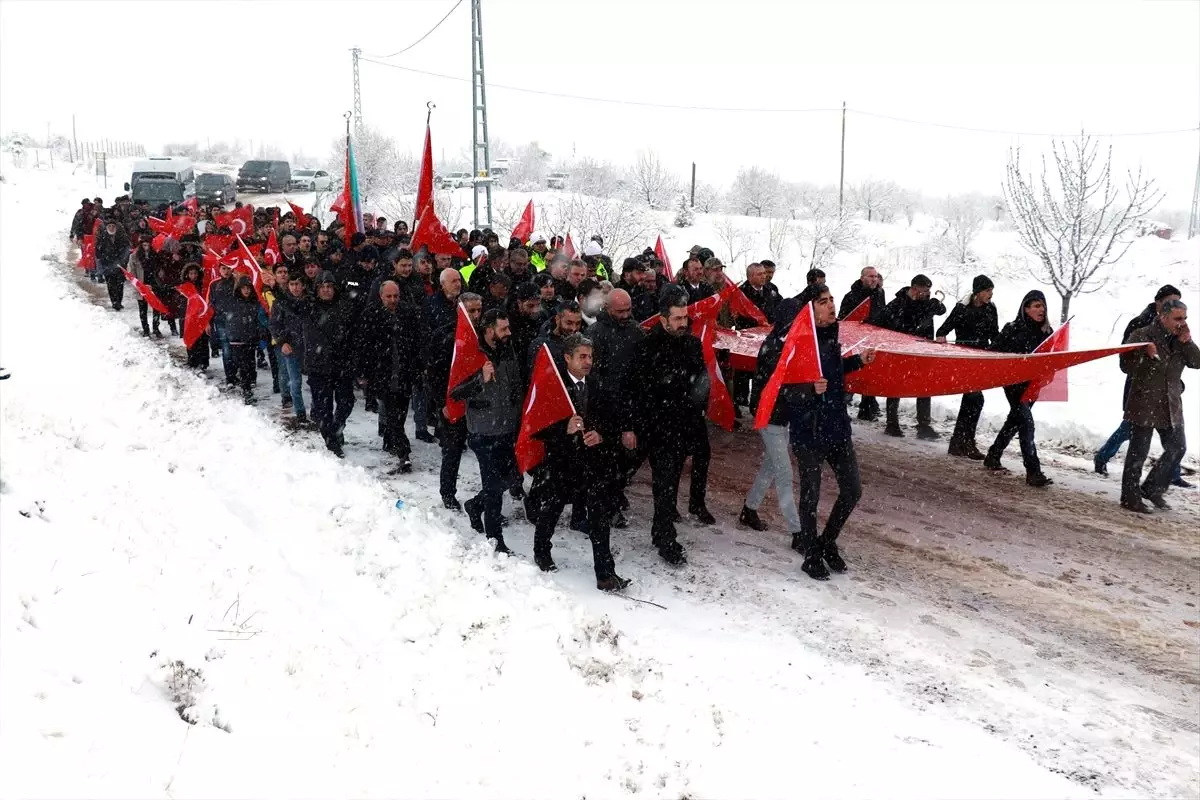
(751, 110)
(423, 38)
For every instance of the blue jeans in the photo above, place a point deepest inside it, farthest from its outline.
(289, 375)
(497, 462)
(776, 469)
(1108, 451)
(226, 353)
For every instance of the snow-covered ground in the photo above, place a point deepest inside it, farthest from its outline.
(990, 641)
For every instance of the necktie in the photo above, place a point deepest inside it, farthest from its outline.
(581, 398)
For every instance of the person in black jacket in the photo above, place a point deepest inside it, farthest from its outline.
(691, 278)
(112, 252)
(912, 311)
(568, 319)
(287, 329)
(441, 308)
(327, 362)
(525, 316)
(452, 436)
(580, 458)
(1022, 335)
(868, 286)
(821, 433)
(389, 351)
(975, 324)
(664, 403)
(240, 317)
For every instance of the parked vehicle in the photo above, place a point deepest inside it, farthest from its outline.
(499, 173)
(162, 179)
(215, 188)
(557, 180)
(264, 176)
(313, 180)
(458, 180)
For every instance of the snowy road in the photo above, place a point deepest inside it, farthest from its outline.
(990, 640)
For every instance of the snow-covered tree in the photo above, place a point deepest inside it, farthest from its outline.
(528, 172)
(598, 178)
(876, 198)
(382, 171)
(826, 232)
(650, 180)
(1074, 218)
(778, 233)
(683, 212)
(708, 197)
(736, 239)
(962, 219)
(624, 226)
(756, 192)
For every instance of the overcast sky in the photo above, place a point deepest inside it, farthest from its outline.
(280, 72)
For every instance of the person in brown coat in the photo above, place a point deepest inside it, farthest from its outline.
(1156, 403)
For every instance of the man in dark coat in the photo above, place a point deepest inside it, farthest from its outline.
(243, 328)
(868, 286)
(755, 288)
(974, 323)
(580, 459)
(327, 362)
(912, 311)
(821, 433)
(112, 253)
(663, 409)
(441, 309)
(1156, 403)
(389, 351)
(452, 436)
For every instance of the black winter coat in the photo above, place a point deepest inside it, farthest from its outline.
(440, 312)
(327, 349)
(913, 316)
(220, 294)
(857, 294)
(613, 347)
(287, 322)
(819, 422)
(1022, 335)
(390, 347)
(766, 301)
(666, 390)
(973, 326)
(240, 317)
(112, 250)
(568, 459)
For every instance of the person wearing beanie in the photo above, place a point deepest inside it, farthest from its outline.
(327, 361)
(974, 323)
(1022, 335)
(1121, 435)
(912, 312)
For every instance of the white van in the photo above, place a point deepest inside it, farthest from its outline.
(162, 179)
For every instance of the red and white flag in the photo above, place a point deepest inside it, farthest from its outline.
(524, 227)
(425, 179)
(569, 248)
(706, 309)
(87, 252)
(466, 361)
(271, 251)
(720, 402)
(302, 219)
(192, 204)
(219, 244)
(240, 221)
(431, 233)
(1053, 387)
(212, 269)
(741, 305)
(147, 293)
(247, 264)
(199, 314)
(546, 403)
(860, 312)
(800, 362)
(660, 252)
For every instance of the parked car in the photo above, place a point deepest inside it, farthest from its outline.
(162, 179)
(264, 176)
(557, 180)
(215, 188)
(314, 180)
(458, 180)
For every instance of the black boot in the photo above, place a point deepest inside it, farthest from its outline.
(926, 432)
(814, 560)
(1038, 480)
(702, 515)
(451, 503)
(832, 557)
(501, 547)
(749, 518)
(474, 513)
(613, 583)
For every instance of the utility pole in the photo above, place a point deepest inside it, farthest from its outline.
(693, 184)
(358, 120)
(842, 172)
(49, 145)
(1194, 219)
(480, 154)
(74, 141)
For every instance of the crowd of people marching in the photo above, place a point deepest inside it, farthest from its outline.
(369, 314)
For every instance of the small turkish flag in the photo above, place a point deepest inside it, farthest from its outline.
(706, 309)
(302, 219)
(271, 251)
(569, 248)
(466, 361)
(147, 293)
(218, 244)
(212, 269)
(524, 227)
(800, 362)
(1052, 387)
(192, 204)
(660, 252)
(87, 252)
(199, 314)
(546, 402)
(743, 306)
(247, 264)
(239, 221)
(720, 403)
(860, 312)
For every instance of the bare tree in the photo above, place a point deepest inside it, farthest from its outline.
(597, 178)
(756, 192)
(910, 202)
(963, 219)
(528, 171)
(708, 197)
(778, 233)
(737, 239)
(827, 233)
(650, 180)
(381, 169)
(625, 227)
(876, 198)
(1074, 219)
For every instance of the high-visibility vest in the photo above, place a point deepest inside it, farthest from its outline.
(466, 271)
(537, 260)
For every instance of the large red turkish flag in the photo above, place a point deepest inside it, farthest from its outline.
(546, 402)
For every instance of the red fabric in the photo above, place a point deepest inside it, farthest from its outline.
(466, 361)
(1052, 387)
(546, 402)
(720, 402)
(343, 207)
(524, 227)
(147, 293)
(425, 179)
(87, 252)
(218, 244)
(270, 253)
(302, 219)
(798, 363)
(569, 248)
(247, 264)
(431, 233)
(860, 312)
(743, 306)
(240, 220)
(192, 204)
(199, 314)
(706, 309)
(660, 252)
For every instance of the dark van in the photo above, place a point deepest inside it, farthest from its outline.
(264, 176)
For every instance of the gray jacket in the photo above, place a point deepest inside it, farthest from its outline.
(493, 408)
(1156, 385)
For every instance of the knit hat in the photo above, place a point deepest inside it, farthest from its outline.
(1167, 291)
(477, 251)
(981, 284)
(592, 249)
(526, 291)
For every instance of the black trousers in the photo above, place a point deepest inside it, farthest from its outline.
(452, 436)
(393, 412)
(244, 369)
(1174, 445)
(197, 354)
(924, 414)
(144, 316)
(968, 420)
(596, 497)
(332, 402)
(1020, 424)
(844, 462)
(496, 464)
(868, 403)
(114, 279)
(666, 465)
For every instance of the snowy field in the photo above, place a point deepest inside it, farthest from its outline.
(167, 552)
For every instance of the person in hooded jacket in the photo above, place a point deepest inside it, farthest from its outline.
(243, 328)
(143, 264)
(112, 252)
(868, 286)
(197, 354)
(287, 329)
(912, 311)
(1022, 335)
(327, 362)
(776, 467)
(820, 432)
(356, 280)
(974, 323)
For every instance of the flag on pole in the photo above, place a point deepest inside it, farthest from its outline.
(524, 227)
(87, 252)
(240, 221)
(800, 362)
(660, 252)
(425, 179)
(147, 293)
(199, 313)
(302, 219)
(860, 312)
(1052, 387)
(347, 205)
(546, 403)
(465, 362)
(720, 402)
(569, 247)
(741, 305)
(247, 264)
(271, 251)
(431, 233)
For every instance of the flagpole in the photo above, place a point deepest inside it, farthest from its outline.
(348, 115)
(429, 106)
